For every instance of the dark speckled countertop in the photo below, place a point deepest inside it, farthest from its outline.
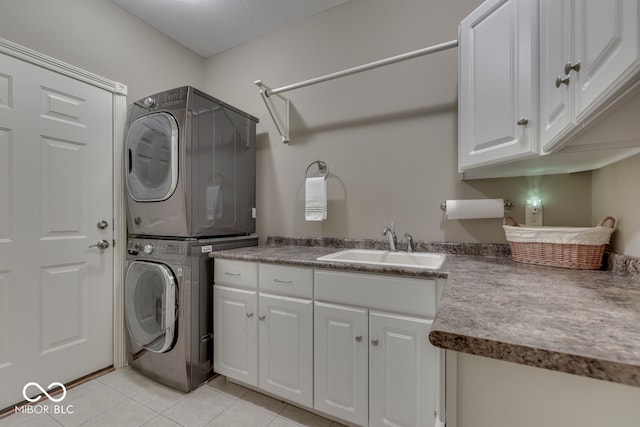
(579, 322)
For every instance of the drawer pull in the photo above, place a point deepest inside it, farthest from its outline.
(359, 338)
(283, 281)
(232, 274)
(374, 342)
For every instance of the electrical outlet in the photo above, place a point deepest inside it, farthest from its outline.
(533, 214)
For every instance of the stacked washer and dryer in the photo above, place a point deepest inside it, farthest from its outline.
(190, 173)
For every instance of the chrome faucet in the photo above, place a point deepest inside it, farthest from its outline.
(393, 239)
(409, 242)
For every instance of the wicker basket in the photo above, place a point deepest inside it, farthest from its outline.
(568, 247)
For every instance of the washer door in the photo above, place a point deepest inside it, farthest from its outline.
(150, 304)
(152, 157)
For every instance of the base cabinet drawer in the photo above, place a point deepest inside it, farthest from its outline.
(232, 273)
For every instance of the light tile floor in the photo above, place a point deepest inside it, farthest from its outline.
(126, 398)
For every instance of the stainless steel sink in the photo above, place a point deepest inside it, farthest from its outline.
(426, 260)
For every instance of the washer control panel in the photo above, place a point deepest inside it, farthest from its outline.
(149, 248)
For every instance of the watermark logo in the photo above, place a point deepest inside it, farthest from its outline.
(37, 409)
(43, 391)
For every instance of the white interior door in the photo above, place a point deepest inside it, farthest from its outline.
(56, 183)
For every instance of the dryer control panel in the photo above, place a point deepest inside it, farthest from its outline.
(171, 99)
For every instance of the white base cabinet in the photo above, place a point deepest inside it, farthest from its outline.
(349, 345)
(286, 347)
(263, 339)
(235, 331)
(341, 336)
(376, 367)
(402, 371)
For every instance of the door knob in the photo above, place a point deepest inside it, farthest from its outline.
(102, 244)
(359, 338)
(374, 342)
(102, 224)
(562, 81)
(569, 66)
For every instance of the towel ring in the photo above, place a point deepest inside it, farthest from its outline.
(323, 168)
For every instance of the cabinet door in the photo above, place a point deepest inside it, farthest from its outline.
(235, 334)
(402, 371)
(286, 347)
(606, 44)
(341, 361)
(497, 83)
(556, 43)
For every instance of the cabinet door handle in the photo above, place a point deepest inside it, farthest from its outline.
(249, 315)
(522, 121)
(562, 80)
(374, 342)
(359, 338)
(261, 318)
(282, 281)
(569, 66)
(232, 274)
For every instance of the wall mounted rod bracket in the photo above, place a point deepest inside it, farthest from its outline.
(283, 128)
(278, 107)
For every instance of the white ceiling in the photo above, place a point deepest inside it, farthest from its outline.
(210, 26)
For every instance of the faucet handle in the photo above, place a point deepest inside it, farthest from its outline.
(409, 242)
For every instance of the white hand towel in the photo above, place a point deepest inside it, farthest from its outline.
(315, 208)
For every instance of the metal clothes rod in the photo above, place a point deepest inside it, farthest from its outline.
(371, 65)
(280, 116)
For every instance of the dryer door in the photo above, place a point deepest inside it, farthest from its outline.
(150, 304)
(152, 157)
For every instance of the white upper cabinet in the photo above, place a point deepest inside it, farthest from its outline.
(568, 68)
(589, 50)
(497, 108)
(556, 104)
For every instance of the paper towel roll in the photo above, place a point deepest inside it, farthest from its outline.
(479, 208)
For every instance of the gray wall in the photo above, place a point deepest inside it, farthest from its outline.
(100, 37)
(615, 193)
(388, 135)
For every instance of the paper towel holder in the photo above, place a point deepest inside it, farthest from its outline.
(508, 204)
